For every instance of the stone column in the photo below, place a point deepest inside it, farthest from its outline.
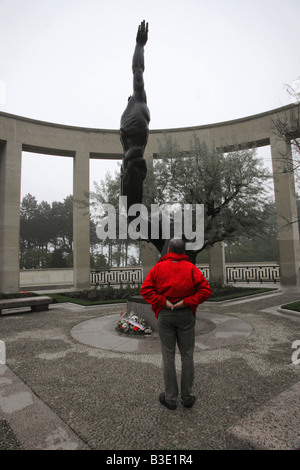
(10, 180)
(149, 257)
(217, 268)
(285, 199)
(149, 252)
(81, 221)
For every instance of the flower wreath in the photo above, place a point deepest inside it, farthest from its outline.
(132, 324)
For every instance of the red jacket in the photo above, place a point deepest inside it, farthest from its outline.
(175, 278)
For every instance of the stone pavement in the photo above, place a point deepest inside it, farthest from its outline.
(71, 382)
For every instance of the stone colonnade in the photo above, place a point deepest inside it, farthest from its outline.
(19, 134)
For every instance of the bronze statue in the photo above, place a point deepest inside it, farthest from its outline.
(134, 131)
(134, 128)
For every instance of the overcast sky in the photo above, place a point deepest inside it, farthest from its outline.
(69, 62)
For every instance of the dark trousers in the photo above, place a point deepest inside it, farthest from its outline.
(177, 327)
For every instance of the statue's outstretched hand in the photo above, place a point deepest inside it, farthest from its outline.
(142, 34)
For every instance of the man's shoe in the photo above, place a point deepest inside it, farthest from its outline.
(190, 403)
(162, 400)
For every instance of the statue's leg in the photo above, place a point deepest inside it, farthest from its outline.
(133, 173)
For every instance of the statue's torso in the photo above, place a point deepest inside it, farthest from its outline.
(135, 118)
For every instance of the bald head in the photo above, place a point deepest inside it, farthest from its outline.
(177, 245)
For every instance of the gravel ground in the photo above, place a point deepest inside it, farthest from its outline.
(110, 400)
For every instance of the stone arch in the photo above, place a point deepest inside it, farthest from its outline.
(19, 133)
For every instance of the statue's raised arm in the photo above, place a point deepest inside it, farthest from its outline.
(138, 65)
(142, 34)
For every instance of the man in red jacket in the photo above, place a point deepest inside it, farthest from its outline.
(175, 287)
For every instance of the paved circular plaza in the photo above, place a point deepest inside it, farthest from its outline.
(212, 331)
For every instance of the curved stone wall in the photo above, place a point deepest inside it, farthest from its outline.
(19, 134)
